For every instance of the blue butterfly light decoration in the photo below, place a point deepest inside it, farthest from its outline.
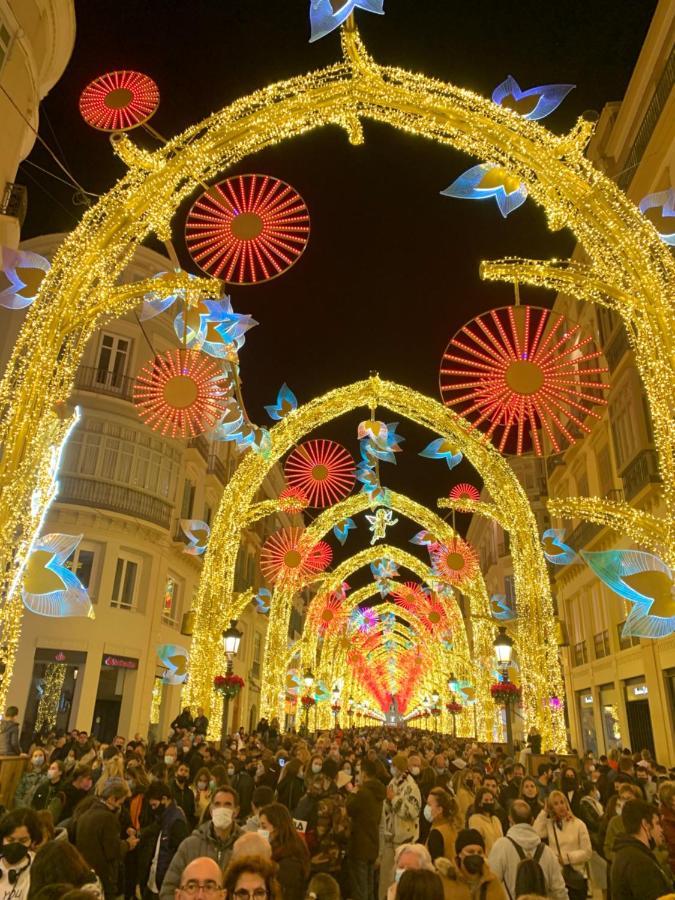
(663, 221)
(502, 610)
(441, 448)
(197, 533)
(175, 660)
(326, 16)
(25, 272)
(263, 601)
(286, 403)
(342, 529)
(50, 588)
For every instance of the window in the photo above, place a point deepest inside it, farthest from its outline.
(5, 41)
(601, 644)
(171, 601)
(626, 642)
(510, 591)
(580, 653)
(604, 467)
(257, 650)
(82, 562)
(188, 499)
(125, 585)
(208, 512)
(113, 359)
(607, 322)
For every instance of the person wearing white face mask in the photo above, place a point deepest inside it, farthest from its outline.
(214, 838)
(30, 778)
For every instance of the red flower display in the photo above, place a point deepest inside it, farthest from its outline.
(180, 393)
(323, 470)
(454, 562)
(247, 229)
(464, 492)
(228, 685)
(285, 555)
(308, 702)
(505, 692)
(119, 101)
(514, 370)
(454, 708)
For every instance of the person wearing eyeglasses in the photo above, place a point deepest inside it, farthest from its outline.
(252, 878)
(201, 878)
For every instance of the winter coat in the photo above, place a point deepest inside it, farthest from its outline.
(668, 824)
(9, 738)
(97, 837)
(572, 839)
(244, 786)
(441, 840)
(333, 827)
(489, 827)
(185, 799)
(456, 887)
(290, 790)
(49, 795)
(402, 812)
(635, 873)
(173, 831)
(202, 842)
(504, 860)
(292, 877)
(364, 807)
(591, 815)
(27, 786)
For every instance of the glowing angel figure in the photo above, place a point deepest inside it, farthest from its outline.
(442, 449)
(555, 549)
(342, 529)
(263, 601)
(326, 16)
(50, 588)
(24, 271)
(502, 609)
(534, 103)
(197, 533)
(379, 522)
(175, 660)
(646, 581)
(659, 208)
(286, 403)
(486, 181)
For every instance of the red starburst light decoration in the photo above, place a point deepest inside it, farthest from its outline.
(410, 596)
(286, 555)
(464, 492)
(180, 393)
(247, 229)
(328, 616)
(292, 500)
(454, 562)
(119, 101)
(323, 470)
(518, 369)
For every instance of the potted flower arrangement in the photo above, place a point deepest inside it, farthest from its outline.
(505, 692)
(228, 685)
(308, 702)
(454, 708)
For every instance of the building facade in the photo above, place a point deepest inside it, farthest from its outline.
(36, 41)
(125, 489)
(620, 690)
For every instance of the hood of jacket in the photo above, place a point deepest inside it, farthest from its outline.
(525, 835)
(626, 840)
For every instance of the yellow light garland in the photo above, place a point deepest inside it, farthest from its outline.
(48, 707)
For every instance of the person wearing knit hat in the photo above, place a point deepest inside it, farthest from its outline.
(401, 818)
(470, 876)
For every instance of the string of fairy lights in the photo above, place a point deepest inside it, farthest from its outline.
(629, 269)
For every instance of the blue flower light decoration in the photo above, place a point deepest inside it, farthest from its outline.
(501, 609)
(326, 16)
(286, 403)
(555, 549)
(489, 180)
(424, 538)
(384, 568)
(197, 533)
(175, 660)
(644, 580)
(342, 529)
(535, 103)
(25, 272)
(263, 601)
(50, 588)
(158, 301)
(442, 449)
(664, 201)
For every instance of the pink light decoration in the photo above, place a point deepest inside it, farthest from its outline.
(454, 562)
(516, 370)
(180, 393)
(119, 101)
(323, 471)
(247, 229)
(285, 555)
(464, 492)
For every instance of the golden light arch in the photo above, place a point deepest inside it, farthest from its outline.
(629, 268)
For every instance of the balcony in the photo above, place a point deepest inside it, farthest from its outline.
(583, 534)
(616, 348)
(101, 381)
(217, 467)
(639, 473)
(115, 497)
(201, 445)
(552, 463)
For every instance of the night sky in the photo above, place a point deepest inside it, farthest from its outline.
(391, 271)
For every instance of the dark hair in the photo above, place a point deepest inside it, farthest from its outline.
(255, 865)
(368, 767)
(419, 884)
(330, 767)
(226, 789)
(480, 793)
(80, 771)
(520, 812)
(51, 892)
(11, 711)
(59, 862)
(285, 841)
(219, 774)
(262, 796)
(158, 790)
(634, 813)
(18, 817)
(543, 769)
(324, 886)
(447, 803)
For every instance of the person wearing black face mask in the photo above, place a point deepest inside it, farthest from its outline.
(484, 819)
(470, 876)
(19, 833)
(635, 873)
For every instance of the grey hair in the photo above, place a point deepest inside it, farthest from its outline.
(420, 852)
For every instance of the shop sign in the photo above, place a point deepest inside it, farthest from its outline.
(66, 657)
(119, 662)
(639, 690)
(587, 699)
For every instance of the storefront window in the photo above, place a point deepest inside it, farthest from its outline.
(610, 717)
(588, 736)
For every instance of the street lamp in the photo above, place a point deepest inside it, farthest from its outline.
(231, 641)
(336, 706)
(503, 645)
(453, 683)
(350, 711)
(308, 679)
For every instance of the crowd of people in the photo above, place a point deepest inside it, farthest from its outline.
(354, 814)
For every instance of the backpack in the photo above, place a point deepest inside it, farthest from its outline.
(529, 874)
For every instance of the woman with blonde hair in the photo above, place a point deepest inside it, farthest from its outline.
(462, 784)
(112, 771)
(568, 838)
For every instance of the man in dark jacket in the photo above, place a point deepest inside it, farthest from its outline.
(182, 793)
(364, 808)
(9, 733)
(635, 873)
(77, 789)
(167, 834)
(183, 721)
(97, 837)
